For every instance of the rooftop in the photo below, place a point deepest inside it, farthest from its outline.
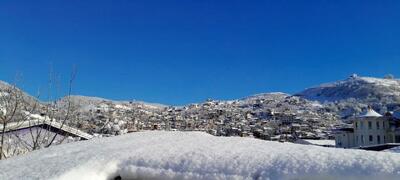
(370, 113)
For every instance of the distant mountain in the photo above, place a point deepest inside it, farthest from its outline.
(326, 103)
(85, 103)
(28, 99)
(353, 94)
(366, 89)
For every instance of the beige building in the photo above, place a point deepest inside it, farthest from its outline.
(369, 129)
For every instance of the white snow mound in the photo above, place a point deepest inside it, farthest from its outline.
(195, 155)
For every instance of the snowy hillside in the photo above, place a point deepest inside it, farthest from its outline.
(365, 89)
(85, 103)
(349, 97)
(277, 95)
(191, 155)
(316, 110)
(4, 87)
(9, 94)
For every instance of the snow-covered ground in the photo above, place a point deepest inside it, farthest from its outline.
(196, 155)
(394, 150)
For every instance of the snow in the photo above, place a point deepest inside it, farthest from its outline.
(354, 87)
(370, 113)
(36, 120)
(120, 106)
(316, 104)
(275, 93)
(324, 142)
(3, 111)
(3, 94)
(371, 80)
(4, 85)
(381, 82)
(394, 150)
(196, 155)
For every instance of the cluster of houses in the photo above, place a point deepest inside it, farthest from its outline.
(369, 130)
(217, 118)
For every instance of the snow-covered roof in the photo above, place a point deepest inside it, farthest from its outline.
(324, 142)
(370, 113)
(38, 120)
(32, 123)
(195, 155)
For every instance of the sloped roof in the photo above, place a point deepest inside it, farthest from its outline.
(370, 113)
(31, 123)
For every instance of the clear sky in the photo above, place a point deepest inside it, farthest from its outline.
(179, 51)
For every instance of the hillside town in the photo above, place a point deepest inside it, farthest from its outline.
(199, 90)
(276, 116)
(298, 118)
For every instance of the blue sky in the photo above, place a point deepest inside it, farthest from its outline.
(178, 51)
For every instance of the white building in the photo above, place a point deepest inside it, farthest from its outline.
(369, 129)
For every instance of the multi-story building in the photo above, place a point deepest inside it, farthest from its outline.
(369, 129)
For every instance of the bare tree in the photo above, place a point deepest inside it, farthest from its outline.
(11, 101)
(52, 114)
(69, 110)
(9, 105)
(17, 109)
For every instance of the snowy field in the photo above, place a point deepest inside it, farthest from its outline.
(195, 155)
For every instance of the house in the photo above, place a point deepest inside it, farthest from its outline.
(344, 138)
(369, 130)
(19, 128)
(22, 137)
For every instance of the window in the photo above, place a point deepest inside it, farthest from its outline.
(377, 124)
(361, 125)
(371, 138)
(397, 139)
(356, 125)
(369, 125)
(384, 138)
(362, 139)
(383, 125)
(378, 138)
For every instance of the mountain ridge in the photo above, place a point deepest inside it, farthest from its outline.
(344, 97)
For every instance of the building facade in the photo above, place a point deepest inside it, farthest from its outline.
(369, 129)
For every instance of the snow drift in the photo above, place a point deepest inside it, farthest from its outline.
(195, 155)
